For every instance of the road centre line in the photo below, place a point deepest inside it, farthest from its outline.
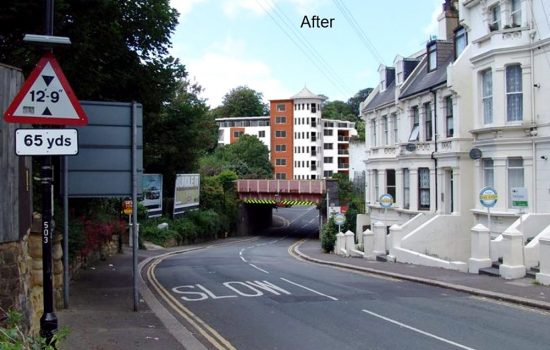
(257, 268)
(418, 330)
(309, 289)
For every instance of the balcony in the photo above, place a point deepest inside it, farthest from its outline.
(343, 165)
(343, 138)
(314, 152)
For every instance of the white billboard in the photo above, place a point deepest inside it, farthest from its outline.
(187, 192)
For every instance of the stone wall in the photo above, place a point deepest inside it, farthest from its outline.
(14, 275)
(21, 276)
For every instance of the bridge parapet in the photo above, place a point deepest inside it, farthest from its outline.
(282, 192)
(281, 186)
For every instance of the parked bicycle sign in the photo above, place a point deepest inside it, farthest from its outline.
(488, 197)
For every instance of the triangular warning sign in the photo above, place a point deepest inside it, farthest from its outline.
(46, 98)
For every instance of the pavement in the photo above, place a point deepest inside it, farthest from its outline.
(100, 314)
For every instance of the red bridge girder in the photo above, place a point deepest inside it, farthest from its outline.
(282, 190)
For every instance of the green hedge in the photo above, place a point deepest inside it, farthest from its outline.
(195, 226)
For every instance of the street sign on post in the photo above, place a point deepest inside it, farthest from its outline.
(46, 98)
(488, 198)
(46, 142)
(386, 200)
(339, 219)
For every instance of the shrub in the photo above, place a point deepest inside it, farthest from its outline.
(12, 336)
(328, 236)
(187, 230)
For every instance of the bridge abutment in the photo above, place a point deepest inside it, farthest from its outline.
(254, 218)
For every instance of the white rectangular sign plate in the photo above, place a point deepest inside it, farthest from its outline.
(46, 142)
(520, 197)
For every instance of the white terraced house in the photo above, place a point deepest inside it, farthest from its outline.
(467, 112)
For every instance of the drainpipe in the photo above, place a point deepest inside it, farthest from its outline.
(434, 94)
(533, 132)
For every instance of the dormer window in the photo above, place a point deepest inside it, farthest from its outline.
(399, 71)
(432, 56)
(461, 40)
(494, 20)
(382, 71)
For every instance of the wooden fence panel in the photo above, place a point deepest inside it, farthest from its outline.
(10, 83)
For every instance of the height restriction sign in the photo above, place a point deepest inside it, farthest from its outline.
(46, 98)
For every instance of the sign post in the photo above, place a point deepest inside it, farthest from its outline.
(339, 219)
(488, 198)
(520, 200)
(47, 98)
(386, 201)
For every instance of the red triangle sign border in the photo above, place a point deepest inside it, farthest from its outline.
(9, 115)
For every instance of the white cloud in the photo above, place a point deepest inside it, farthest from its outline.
(433, 27)
(233, 8)
(184, 6)
(225, 67)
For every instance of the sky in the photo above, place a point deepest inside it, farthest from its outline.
(263, 45)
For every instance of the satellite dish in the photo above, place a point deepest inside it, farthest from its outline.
(475, 153)
(411, 147)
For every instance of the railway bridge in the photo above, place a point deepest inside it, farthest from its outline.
(259, 197)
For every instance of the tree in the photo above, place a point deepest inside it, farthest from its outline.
(359, 97)
(248, 158)
(338, 110)
(179, 135)
(243, 102)
(119, 48)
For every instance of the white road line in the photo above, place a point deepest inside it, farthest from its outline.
(418, 330)
(243, 259)
(257, 268)
(311, 290)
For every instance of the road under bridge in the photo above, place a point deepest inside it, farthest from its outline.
(259, 197)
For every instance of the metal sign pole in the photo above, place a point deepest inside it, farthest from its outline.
(48, 321)
(135, 228)
(66, 232)
(489, 220)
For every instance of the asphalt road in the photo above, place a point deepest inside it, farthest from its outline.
(255, 295)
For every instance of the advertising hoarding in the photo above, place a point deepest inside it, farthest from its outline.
(152, 194)
(186, 193)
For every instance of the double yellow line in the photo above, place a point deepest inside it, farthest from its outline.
(213, 337)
